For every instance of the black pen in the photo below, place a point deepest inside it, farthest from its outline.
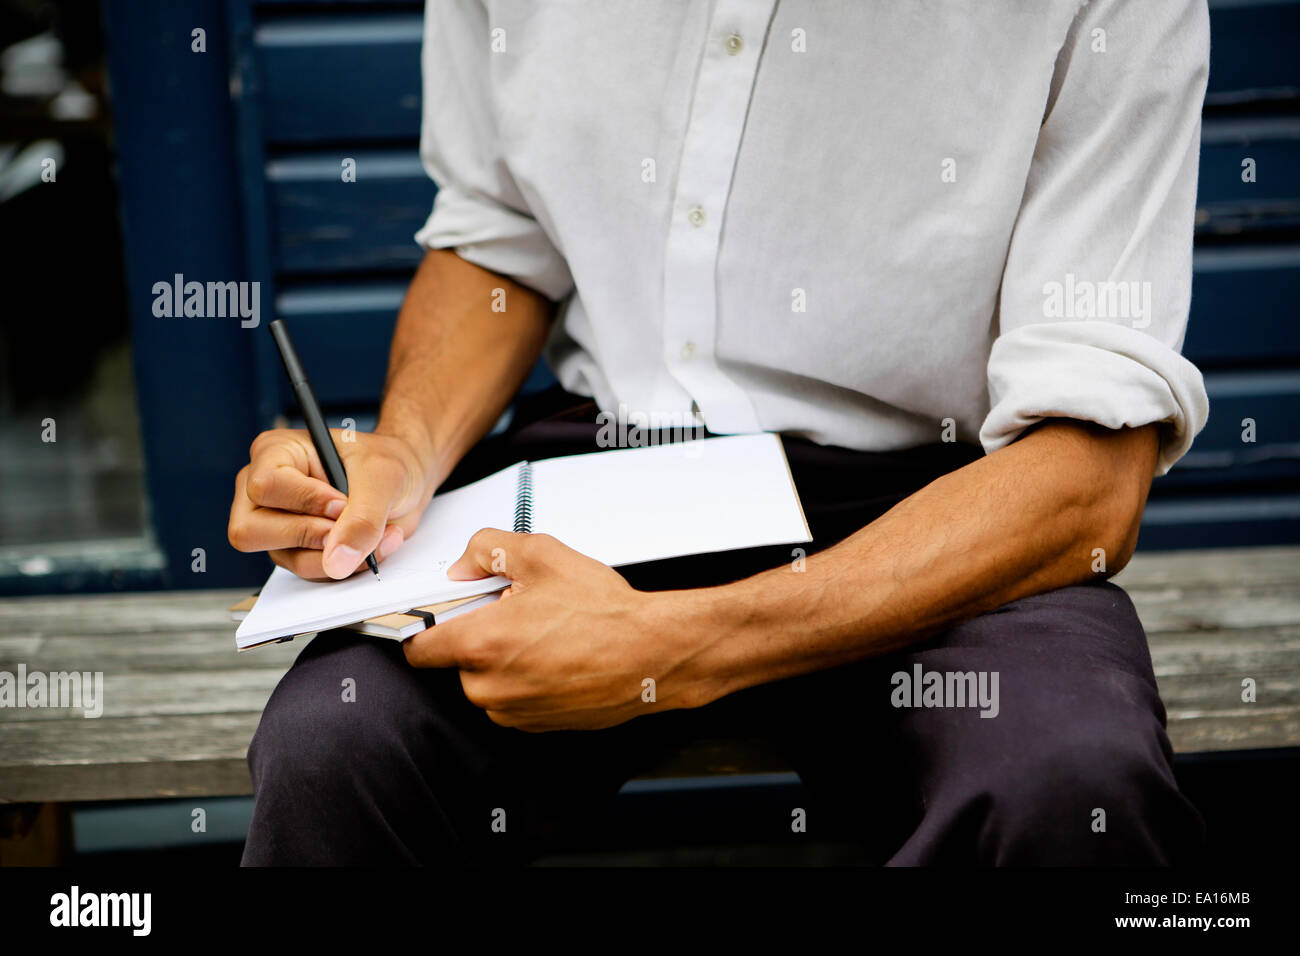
(316, 427)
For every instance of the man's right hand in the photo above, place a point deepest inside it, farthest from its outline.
(286, 506)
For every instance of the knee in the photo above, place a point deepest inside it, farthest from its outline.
(334, 705)
(1070, 768)
(1087, 794)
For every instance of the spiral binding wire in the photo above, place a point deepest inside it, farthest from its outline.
(524, 499)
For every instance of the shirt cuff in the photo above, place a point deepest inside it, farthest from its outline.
(1099, 372)
(498, 239)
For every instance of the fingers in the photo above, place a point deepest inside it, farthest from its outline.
(446, 645)
(254, 528)
(364, 518)
(470, 641)
(466, 641)
(517, 556)
(278, 503)
(266, 530)
(306, 563)
(282, 507)
(285, 488)
(430, 649)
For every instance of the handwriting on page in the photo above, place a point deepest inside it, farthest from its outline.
(437, 566)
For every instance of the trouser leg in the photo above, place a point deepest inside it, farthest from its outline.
(1073, 767)
(361, 759)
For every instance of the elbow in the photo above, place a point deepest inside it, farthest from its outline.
(1121, 464)
(1103, 539)
(1113, 524)
(1123, 535)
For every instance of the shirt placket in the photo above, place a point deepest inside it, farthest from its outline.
(723, 88)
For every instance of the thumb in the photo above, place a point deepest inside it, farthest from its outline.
(358, 529)
(491, 551)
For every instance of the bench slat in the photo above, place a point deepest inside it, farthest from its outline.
(162, 693)
(126, 758)
(1196, 570)
(1233, 610)
(1258, 730)
(167, 612)
(202, 651)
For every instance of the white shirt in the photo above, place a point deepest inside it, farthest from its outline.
(872, 224)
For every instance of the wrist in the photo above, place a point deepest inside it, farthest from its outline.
(706, 639)
(420, 449)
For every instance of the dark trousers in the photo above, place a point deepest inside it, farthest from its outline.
(1075, 768)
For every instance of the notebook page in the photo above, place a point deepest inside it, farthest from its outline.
(412, 576)
(663, 501)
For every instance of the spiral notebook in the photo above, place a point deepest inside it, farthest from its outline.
(620, 507)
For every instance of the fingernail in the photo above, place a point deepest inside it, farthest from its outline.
(342, 561)
(334, 508)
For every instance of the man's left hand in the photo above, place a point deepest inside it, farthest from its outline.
(570, 645)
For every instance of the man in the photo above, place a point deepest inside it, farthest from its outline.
(893, 233)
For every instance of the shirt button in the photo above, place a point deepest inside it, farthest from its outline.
(696, 216)
(688, 350)
(733, 43)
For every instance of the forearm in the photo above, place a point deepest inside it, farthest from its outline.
(455, 363)
(1021, 521)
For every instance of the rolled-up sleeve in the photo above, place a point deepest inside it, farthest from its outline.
(479, 211)
(1097, 284)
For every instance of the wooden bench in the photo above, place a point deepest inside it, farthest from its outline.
(181, 705)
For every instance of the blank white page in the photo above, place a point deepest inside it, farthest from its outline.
(663, 501)
(414, 575)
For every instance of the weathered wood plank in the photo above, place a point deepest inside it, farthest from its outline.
(19, 647)
(1222, 695)
(160, 778)
(174, 612)
(1199, 732)
(125, 739)
(144, 694)
(209, 651)
(125, 758)
(1212, 654)
(1193, 570)
(1225, 610)
(1248, 640)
